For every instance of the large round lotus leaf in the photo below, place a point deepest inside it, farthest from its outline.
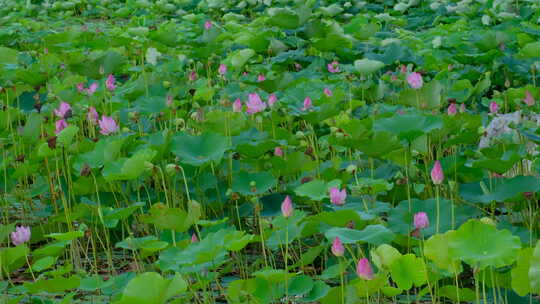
(384, 255)
(436, 249)
(198, 150)
(401, 220)
(253, 183)
(482, 245)
(534, 271)
(152, 288)
(408, 270)
(521, 282)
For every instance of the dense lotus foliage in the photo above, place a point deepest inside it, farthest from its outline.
(274, 151)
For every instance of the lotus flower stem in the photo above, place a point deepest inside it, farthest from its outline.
(342, 279)
(438, 207)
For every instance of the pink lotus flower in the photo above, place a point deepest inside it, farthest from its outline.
(261, 78)
(21, 235)
(80, 87)
(333, 67)
(493, 107)
(363, 269)
(529, 99)
(338, 197)
(272, 99)
(462, 108)
(92, 115)
(63, 111)
(403, 69)
(110, 83)
(415, 80)
(60, 125)
(307, 104)
(107, 125)
(193, 76)
(337, 247)
(437, 175)
(278, 152)
(169, 100)
(297, 66)
(194, 238)
(327, 92)
(287, 207)
(208, 25)
(222, 70)
(452, 109)
(421, 220)
(92, 89)
(255, 104)
(237, 105)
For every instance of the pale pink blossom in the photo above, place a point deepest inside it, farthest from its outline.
(529, 99)
(333, 67)
(337, 247)
(92, 115)
(493, 107)
(278, 152)
(107, 125)
(92, 89)
(60, 125)
(287, 207)
(452, 109)
(21, 235)
(261, 78)
(237, 105)
(364, 270)
(63, 111)
(110, 83)
(222, 70)
(255, 104)
(327, 92)
(307, 104)
(421, 220)
(272, 99)
(437, 174)
(338, 197)
(208, 25)
(415, 80)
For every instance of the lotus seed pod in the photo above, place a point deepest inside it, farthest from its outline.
(351, 168)
(488, 221)
(171, 169)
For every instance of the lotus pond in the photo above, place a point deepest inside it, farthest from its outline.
(275, 151)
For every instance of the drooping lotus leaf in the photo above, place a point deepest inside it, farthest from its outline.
(198, 150)
(372, 234)
(409, 126)
(482, 245)
(368, 66)
(503, 189)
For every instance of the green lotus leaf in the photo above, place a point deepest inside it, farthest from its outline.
(481, 245)
(198, 150)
